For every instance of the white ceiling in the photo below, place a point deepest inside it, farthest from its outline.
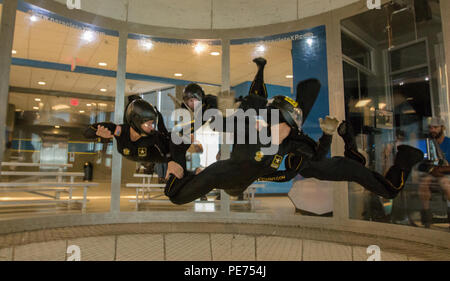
(47, 41)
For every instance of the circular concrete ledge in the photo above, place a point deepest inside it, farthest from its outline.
(190, 240)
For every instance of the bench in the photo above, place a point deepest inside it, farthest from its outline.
(144, 189)
(38, 188)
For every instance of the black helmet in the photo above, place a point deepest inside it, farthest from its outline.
(289, 110)
(138, 112)
(193, 91)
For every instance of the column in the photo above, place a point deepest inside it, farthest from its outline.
(116, 176)
(8, 20)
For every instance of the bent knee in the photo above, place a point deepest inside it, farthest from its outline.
(177, 201)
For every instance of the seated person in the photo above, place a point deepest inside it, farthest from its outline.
(436, 174)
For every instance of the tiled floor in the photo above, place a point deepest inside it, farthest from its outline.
(198, 247)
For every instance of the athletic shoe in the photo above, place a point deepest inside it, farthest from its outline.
(260, 62)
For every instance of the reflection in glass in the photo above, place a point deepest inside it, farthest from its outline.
(391, 103)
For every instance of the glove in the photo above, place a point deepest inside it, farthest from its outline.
(329, 125)
(91, 131)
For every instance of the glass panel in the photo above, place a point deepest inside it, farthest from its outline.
(288, 62)
(62, 79)
(410, 56)
(394, 107)
(356, 50)
(158, 71)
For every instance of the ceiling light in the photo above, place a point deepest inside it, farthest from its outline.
(34, 18)
(427, 78)
(289, 76)
(41, 104)
(199, 48)
(14, 52)
(81, 111)
(309, 41)
(18, 109)
(88, 105)
(215, 54)
(60, 107)
(146, 44)
(37, 99)
(35, 108)
(102, 104)
(42, 83)
(102, 64)
(261, 48)
(363, 103)
(381, 105)
(103, 90)
(402, 83)
(57, 127)
(88, 36)
(178, 74)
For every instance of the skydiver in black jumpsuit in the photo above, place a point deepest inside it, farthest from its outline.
(305, 156)
(193, 94)
(153, 143)
(351, 167)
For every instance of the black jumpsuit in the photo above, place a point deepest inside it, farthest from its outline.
(154, 148)
(341, 169)
(246, 165)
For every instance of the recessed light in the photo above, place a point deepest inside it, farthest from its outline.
(261, 48)
(88, 105)
(81, 111)
(35, 107)
(34, 18)
(146, 44)
(427, 78)
(37, 99)
(199, 48)
(102, 104)
(102, 64)
(289, 76)
(88, 36)
(178, 74)
(42, 83)
(57, 127)
(18, 109)
(363, 103)
(14, 52)
(103, 90)
(215, 54)
(41, 104)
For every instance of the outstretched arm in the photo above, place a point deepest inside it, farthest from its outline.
(105, 130)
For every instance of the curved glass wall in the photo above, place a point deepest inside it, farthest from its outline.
(158, 69)
(62, 79)
(393, 66)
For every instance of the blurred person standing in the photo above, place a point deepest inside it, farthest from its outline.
(437, 174)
